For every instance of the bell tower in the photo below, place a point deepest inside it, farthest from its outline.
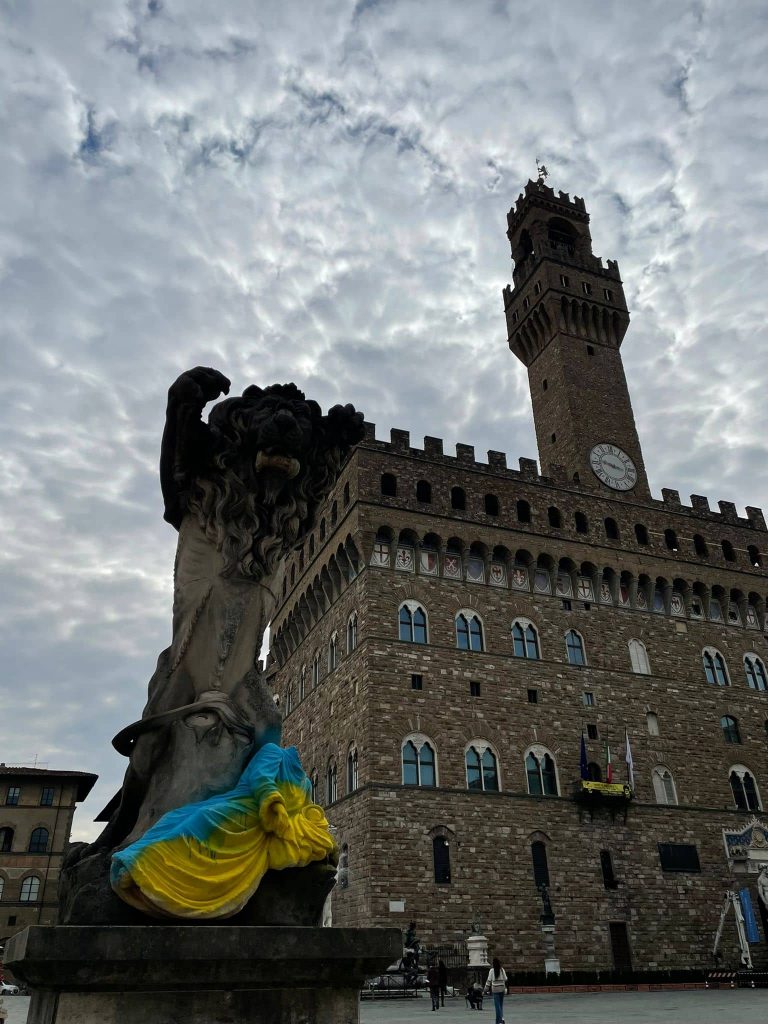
(566, 319)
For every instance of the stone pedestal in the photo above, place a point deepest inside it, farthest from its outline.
(477, 951)
(192, 974)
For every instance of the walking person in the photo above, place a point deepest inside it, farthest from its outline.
(496, 984)
(443, 971)
(433, 980)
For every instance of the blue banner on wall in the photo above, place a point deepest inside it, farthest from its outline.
(750, 923)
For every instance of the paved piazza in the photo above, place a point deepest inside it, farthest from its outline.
(743, 1005)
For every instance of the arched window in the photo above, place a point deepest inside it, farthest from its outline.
(638, 656)
(313, 781)
(351, 632)
(352, 770)
(562, 235)
(289, 700)
(38, 841)
(458, 498)
(424, 491)
(652, 723)
(346, 494)
(389, 485)
(574, 647)
(302, 682)
(322, 529)
(744, 788)
(333, 651)
(491, 505)
(641, 533)
(714, 667)
(670, 539)
(664, 785)
(730, 728)
(334, 513)
(482, 767)
(6, 839)
(525, 640)
(754, 556)
(469, 632)
(419, 763)
(315, 670)
(442, 860)
(2, 884)
(540, 865)
(700, 545)
(554, 517)
(755, 672)
(541, 774)
(523, 511)
(413, 623)
(30, 888)
(728, 553)
(580, 521)
(611, 529)
(331, 791)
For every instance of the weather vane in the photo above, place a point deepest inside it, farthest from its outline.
(542, 172)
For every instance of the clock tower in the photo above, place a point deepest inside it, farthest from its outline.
(566, 319)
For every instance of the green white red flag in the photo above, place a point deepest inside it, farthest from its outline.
(608, 764)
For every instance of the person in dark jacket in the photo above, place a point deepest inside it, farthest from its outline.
(433, 980)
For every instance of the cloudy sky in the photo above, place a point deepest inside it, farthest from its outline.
(317, 191)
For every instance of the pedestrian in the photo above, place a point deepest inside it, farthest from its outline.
(496, 984)
(433, 980)
(443, 971)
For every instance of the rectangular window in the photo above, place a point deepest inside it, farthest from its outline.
(12, 919)
(588, 699)
(12, 798)
(566, 606)
(417, 682)
(564, 281)
(474, 689)
(606, 863)
(586, 288)
(533, 696)
(608, 294)
(46, 797)
(679, 857)
(591, 731)
(537, 288)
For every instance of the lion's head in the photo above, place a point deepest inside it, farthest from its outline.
(275, 459)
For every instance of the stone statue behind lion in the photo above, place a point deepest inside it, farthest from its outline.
(214, 819)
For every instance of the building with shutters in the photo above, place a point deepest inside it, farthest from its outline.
(36, 810)
(456, 624)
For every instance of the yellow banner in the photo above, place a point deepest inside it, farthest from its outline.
(607, 788)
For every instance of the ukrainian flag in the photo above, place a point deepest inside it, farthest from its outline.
(206, 859)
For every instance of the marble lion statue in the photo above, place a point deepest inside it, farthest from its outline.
(215, 819)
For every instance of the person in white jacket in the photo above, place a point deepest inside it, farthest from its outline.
(496, 984)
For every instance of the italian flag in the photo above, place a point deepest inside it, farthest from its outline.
(608, 765)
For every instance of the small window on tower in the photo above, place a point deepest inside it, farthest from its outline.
(588, 699)
(417, 682)
(565, 281)
(586, 288)
(514, 316)
(608, 294)
(590, 350)
(526, 302)
(533, 696)
(544, 384)
(591, 731)
(554, 438)
(474, 689)
(537, 288)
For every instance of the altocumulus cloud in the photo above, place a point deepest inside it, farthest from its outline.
(318, 192)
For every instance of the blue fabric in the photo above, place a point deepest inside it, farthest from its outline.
(749, 915)
(498, 1003)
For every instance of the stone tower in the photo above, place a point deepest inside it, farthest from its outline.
(566, 319)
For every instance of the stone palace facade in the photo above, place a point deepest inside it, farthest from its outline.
(454, 626)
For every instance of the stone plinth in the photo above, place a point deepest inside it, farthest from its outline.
(187, 974)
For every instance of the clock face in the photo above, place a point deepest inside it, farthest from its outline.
(613, 467)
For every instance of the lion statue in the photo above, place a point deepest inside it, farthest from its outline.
(242, 490)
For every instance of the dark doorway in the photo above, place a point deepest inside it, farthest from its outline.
(622, 958)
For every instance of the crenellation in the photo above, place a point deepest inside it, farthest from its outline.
(528, 468)
(497, 460)
(699, 503)
(755, 517)
(670, 496)
(465, 453)
(400, 439)
(728, 511)
(433, 446)
(370, 431)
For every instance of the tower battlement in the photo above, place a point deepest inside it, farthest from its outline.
(544, 196)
